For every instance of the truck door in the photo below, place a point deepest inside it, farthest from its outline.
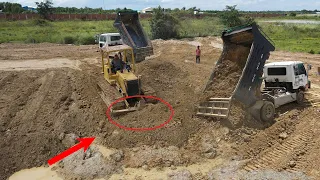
(102, 41)
(301, 78)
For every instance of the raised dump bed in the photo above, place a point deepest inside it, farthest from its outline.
(236, 78)
(132, 34)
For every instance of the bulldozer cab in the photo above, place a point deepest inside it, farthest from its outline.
(117, 61)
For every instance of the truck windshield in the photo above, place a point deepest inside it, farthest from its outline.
(278, 71)
(103, 38)
(115, 38)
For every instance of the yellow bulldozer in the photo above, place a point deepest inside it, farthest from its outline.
(118, 67)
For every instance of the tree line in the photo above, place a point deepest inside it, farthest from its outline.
(15, 8)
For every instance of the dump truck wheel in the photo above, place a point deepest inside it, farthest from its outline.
(267, 111)
(300, 97)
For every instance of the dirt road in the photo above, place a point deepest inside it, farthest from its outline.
(49, 96)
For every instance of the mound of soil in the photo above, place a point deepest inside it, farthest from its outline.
(226, 78)
(150, 115)
(227, 73)
(36, 107)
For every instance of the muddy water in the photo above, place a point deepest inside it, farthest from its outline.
(39, 173)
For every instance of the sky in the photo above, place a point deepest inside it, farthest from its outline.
(247, 5)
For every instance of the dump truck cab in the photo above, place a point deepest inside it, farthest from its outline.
(291, 75)
(110, 39)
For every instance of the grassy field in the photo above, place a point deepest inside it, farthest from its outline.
(292, 37)
(54, 32)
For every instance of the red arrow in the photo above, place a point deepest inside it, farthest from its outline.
(84, 143)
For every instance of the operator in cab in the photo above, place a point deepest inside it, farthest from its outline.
(117, 64)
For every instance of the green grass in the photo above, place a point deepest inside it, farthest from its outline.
(288, 37)
(54, 32)
(298, 17)
(208, 26)
(294, 37)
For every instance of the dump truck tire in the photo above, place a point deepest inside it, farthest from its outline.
(267, 111)
(300, 97)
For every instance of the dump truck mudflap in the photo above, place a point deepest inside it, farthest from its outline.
(132, 34)
(249, 48)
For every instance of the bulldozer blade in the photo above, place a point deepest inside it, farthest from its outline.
(123, 111)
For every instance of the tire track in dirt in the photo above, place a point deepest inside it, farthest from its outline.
(280, 156)
(7, 79)
(18, 99)
(37, 97)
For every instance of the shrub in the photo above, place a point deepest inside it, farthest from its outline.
(40, 22)
(86, 40)
(44, 9)
(69, 40)
(293, 14)
(163, 25)
(30, 40)
(230, 17)
(311, 51)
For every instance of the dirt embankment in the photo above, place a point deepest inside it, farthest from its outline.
(36, 107)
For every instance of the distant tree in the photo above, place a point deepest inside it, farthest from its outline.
(12, 8)
(176, 9)
(168, 10)
(44, 9)
(293, 14)
(1, 5)
(163, 25)
(183, 8)
(230, 16)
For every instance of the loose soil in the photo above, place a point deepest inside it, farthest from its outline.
(227, 72)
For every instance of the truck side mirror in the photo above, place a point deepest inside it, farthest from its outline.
(309, 66)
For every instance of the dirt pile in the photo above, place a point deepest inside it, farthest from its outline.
(149, 116)
(227, 72)
(36, 107)
(226, 78)
(89, 165)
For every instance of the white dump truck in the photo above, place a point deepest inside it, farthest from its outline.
(111, 39)
(285, 82)
(247, 48)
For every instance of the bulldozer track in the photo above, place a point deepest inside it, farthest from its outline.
(280, 155)
(107, 93)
